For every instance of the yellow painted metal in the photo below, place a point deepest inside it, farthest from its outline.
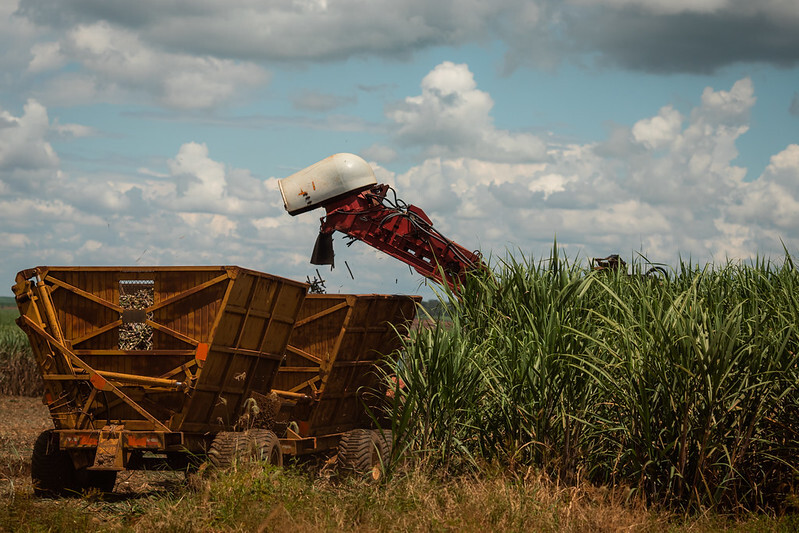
(218, 333)
(335, 353)
(109, 454)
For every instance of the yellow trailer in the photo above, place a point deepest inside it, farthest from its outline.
(332, 380)
(147, 365)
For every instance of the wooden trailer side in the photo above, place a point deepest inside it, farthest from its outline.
(74, 318)
(348, 335)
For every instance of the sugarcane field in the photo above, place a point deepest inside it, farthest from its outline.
(587, 396)
(399, 266)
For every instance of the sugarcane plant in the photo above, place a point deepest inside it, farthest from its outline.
(682, 387)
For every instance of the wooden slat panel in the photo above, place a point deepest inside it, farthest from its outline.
(348, 335)
(251, 335)
(86, 304)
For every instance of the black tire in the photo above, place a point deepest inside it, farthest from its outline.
(385, 444)
(52, 471)
(266, 446)
(358, 452)
(227, 448)
(657, 273)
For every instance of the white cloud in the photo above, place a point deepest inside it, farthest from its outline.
(659, 131)
(649, 35)
(116, 61)
(728, 106)
(661, 7)
(17, 35)
(670, 189)
(453, 118)
(198, 183)
(197, 175)
(786, 165)
(46, 56)
(90, 246)
(769, 206)
(149, 172)
(268, 223)
(73, 130)
(15, 240)
(434, 183)
(27, 160)
(379, 152)
(78, 88)
(213, 226)
(22, 212)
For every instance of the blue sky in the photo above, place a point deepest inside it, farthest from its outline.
(153, 133)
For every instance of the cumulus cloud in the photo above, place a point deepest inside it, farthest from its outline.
(769, 206)
(657, 36)
(728, 106)
(194, 210)
(196, 175)
(46, 56)
(669, 188)
(659, 131)
(27, 160)
(196, 183)
(666, 185)
(379, 152)
(453, 118)
(288, 30)
(17, 36)
(117, 61)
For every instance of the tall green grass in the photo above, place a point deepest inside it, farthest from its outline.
(682, 387)
(18, 372)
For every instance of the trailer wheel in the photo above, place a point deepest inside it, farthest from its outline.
(52, 471)
(358, 452)
(227, 448)
(267, 446)
(385, 443)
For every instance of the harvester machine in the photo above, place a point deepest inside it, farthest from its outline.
(357, 206)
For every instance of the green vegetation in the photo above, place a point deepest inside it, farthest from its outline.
(258, 499)
(8, 312)
(18, 372)
(544, 396)
(682, 388)
(433, 309)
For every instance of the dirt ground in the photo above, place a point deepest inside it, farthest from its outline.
(21, 420)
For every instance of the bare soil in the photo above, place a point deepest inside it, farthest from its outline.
(21, 420)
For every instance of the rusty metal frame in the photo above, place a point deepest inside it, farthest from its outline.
(61, 363)
(309, 373)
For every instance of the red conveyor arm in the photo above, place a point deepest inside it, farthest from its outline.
(402, 231)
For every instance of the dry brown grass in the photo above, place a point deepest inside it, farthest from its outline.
(19, 375)
(304, 500)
